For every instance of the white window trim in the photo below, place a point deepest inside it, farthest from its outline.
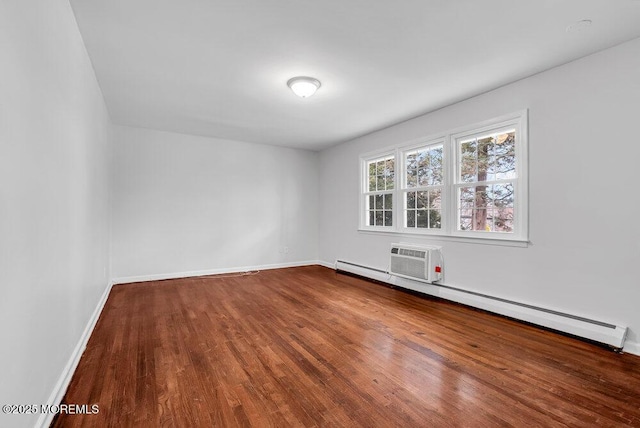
(402, 152)
(517, 120)
(364, 193)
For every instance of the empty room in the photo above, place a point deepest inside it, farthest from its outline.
(331, 213)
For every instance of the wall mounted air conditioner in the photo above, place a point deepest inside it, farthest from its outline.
(422, 263)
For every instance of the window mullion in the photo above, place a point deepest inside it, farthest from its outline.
(450, 165)
(397, 189)
(505, 199)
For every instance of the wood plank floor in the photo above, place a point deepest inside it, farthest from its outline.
(307, 347)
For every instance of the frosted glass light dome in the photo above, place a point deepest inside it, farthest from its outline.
(303, 86)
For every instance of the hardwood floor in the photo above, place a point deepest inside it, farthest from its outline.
(308, 347)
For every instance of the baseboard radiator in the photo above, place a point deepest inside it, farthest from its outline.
(597, 331)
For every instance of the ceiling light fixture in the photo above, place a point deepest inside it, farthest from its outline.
(303, 86)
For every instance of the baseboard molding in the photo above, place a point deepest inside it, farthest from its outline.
(326, 264)
(67, 373)
(569, 323)
(189, 274)
(632, 347)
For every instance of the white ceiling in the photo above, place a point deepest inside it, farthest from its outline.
(219, 68)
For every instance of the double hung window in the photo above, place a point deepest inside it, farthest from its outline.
(379, 191)
(486, 182)
(468, 183)
(422, 187)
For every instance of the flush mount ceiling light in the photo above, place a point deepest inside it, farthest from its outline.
(303, 86)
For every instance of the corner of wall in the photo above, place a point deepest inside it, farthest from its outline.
(60, 388)
(632, 347)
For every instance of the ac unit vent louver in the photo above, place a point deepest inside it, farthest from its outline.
(422, 263)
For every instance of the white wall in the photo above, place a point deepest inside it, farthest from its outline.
(188, 204)
(53, 198)
(584, 208)
(185, 204)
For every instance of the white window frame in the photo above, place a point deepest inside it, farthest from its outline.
(449, 214)
(404, 151)
(365, 193)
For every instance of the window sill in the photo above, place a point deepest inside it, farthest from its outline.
(450, 238)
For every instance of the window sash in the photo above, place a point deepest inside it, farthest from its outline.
(499, 215)
(507, 214)
(512, 223)
(492, 159)
(381, 174)
(379, 209)
(423, 208)
(416, 217)
(430, 178)
(379, 169)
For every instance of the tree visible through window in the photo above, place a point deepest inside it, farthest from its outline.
(488, 169)
(468, 183)
(423, 181)
(379, 197)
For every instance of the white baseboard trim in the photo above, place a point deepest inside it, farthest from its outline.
(632, 347)
(60, 388)
(326, 264)
(189, 274)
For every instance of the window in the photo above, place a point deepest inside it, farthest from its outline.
(379, 192)
(466, 183)
(486, 181)
(422, 187)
